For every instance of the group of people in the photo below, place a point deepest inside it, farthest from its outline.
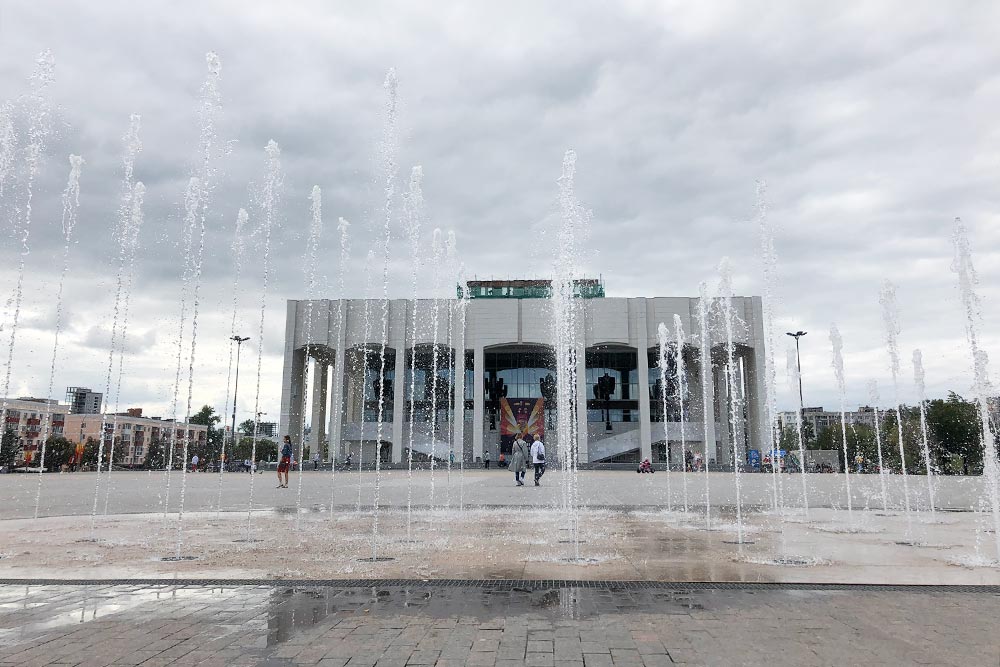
(521, 453)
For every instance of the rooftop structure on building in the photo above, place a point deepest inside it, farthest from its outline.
(83, 400)
(496, 376)
(585, 288)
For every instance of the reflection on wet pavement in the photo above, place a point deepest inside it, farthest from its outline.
(532, 623)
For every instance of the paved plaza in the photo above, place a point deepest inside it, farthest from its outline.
(135, 492)
(492, 625)
(489, 574)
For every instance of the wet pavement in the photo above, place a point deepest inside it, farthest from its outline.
(481, 623)
(72, 494)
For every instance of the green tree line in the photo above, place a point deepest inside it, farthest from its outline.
(954, 438)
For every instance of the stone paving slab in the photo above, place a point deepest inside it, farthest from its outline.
(383, 626)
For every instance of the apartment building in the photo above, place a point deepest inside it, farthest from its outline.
(131, 434)
(29, 418)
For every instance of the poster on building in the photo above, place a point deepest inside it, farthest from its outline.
(524, 417)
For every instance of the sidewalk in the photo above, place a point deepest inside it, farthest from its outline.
(460, 624)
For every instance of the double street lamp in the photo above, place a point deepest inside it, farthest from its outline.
(239, 340)
(798, 361)
(798, 367)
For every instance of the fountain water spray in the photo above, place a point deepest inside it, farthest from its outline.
(8, 144)
(769, 263)
(918, 381)
(729, 317)
(196, 212)
(792, 365)
(71, 204)
(873, 395)
(269, 196)
(413, 211)
(890, 319)
(309, 261)
(566, 338)
(39, 129)
(463, 304)
(450, 245)
(388, 151)
(663, 338)
(338, 387)
(681, 392)
(967, 281)
(237, 249)
(837, 345)
(369, 261)
(705, 363)
(126, 230)
(437, 249)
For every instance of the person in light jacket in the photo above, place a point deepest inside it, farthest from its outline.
(519, 460)
(538, 458)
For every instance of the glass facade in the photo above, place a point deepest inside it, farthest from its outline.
(373, 385)
(620, 366)
(430, 395)
(520, 373)
(657, 387)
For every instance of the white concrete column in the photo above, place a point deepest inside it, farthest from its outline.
(458, 430)
(478, 399)
(291, 377)
(760, 427)
(645, 427)
(339, 377)
(317, 434)
(583, 455)
(398, 400)
(724, 447)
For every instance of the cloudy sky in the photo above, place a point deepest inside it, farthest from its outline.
(874, 124)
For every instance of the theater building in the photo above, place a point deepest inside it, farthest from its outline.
(495, 376)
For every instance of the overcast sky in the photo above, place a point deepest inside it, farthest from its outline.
(873, 123)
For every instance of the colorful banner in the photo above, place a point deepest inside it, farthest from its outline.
(524, 417)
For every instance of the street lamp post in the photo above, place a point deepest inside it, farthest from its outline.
(798, 367)
(798, 360)
(239, 345)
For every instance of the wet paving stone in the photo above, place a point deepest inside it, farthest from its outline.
(387, 625)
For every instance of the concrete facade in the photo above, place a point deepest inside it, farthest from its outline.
(324, 367)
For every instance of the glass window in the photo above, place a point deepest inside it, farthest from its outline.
(612, 384)
(430, 381)
(663, 387)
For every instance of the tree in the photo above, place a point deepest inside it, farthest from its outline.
(267, 449)
(213, 440)
(956, 431)
(155, 456)
(9, 447)
(90, 450)
(58, 451)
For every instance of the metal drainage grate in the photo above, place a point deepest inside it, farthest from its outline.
(376, 559)
(506, 585)
(175, 559)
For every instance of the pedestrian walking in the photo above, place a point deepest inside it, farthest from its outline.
(285, 462)
(519, 460)
(451, 457)
(194, 463)
(486, 460)
(316, 461)
(538, 458)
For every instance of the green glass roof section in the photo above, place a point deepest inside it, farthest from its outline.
(583, 288)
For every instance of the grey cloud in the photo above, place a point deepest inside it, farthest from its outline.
(871, 123)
